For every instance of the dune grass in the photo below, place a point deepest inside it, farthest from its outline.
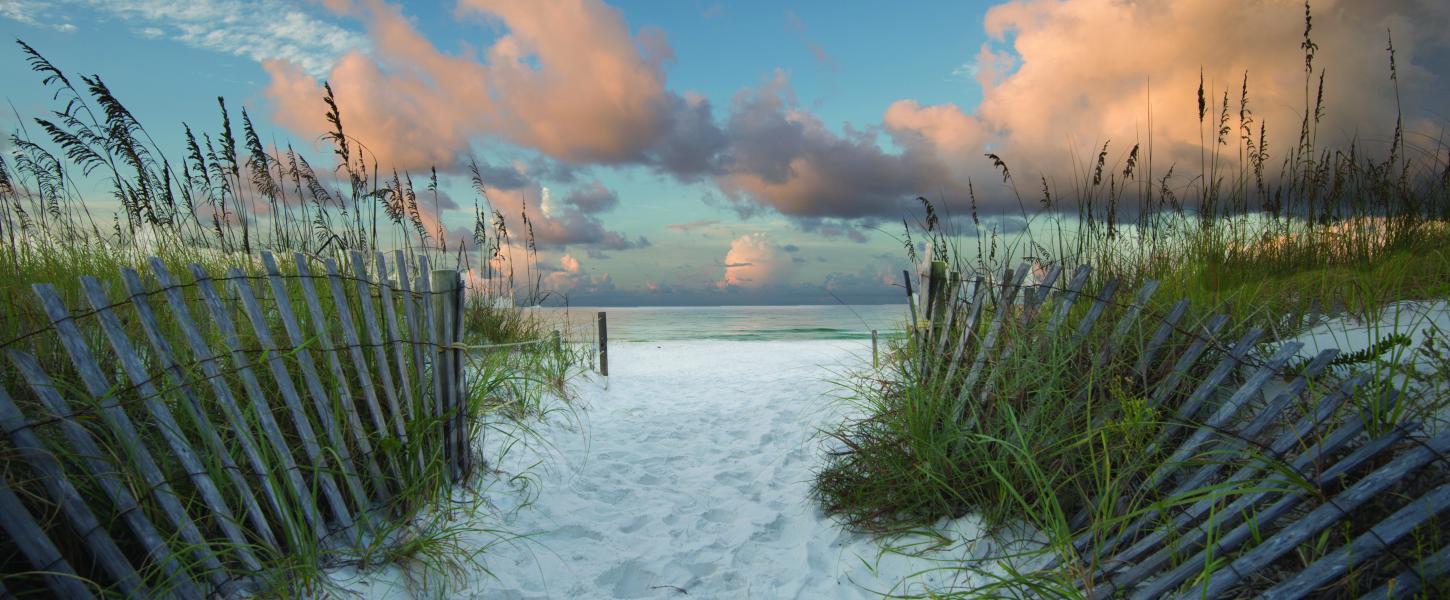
(85, 191)
(1331, 233)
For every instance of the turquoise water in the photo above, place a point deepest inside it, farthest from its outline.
(746, 323)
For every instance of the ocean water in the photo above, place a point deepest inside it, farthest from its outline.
(745, 323)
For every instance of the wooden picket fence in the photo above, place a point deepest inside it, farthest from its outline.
(1305, 475)
(301, 426)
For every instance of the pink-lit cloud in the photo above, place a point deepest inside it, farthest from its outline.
(567, 79)
(755, 261)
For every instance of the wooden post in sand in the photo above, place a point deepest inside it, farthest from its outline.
(603, 345)
(874, 363)
(558, 346)
(444, 282)
(910, 300)
(936, 296)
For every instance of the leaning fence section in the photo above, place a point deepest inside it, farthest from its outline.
(173, 431)
(1265, 460)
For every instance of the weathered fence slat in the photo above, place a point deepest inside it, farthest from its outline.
(1410, 581)
(1234, 444)
(262, 411)
(390, 316)
(1066, 300)
(1327, 405)
(1225, 543)
(1166, 327)
(321, 400)
(1100, 304)
(322, 472)
(211, 370)
(1022, 334)
(375, 337)
(191, 405)
(1291, 536)
(1378, 539)
(334, 366)
(60, 490)
(969, 328)
(1188, 410)
(33, 543)
(105, 474)
(359, 362)
(1228, 516)
(1126, 321)
(101, 391)
(415, 336)
(170, 430)
(205, 499)
(1169, 384)
(950, 306)
(432, 333)
(1261, 421)
(1195, 532)
(1225, 411)
(1033, 300)
(1004, 302)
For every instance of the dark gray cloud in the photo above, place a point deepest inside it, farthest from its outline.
(692, 145)
(505, 177)
(575, 222)
(592, 199)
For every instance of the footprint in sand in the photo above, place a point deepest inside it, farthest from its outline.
(628, 580)
(634, 525)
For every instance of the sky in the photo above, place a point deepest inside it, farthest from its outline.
(715, 153)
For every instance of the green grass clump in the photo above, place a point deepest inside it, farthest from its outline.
(1061, 445)
(218, 204)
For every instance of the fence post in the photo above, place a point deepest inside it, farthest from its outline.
(465, 458)
(443, 281)
(935, 290)
(603, 345)
(936, 298)
(558, 344)
(874, 363)
(910, 300)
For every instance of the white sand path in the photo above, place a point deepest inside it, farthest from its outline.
(689, 478)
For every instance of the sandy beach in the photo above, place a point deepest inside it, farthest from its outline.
(688, 477)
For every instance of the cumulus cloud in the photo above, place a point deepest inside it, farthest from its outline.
(1044, 92)
(571, 278)
(1044, 97)
(567, 79)
(754, 261)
